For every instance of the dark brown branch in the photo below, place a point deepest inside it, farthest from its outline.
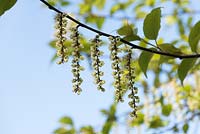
(122, 40)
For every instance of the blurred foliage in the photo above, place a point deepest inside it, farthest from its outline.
(169, 103)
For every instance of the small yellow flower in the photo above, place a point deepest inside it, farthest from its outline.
(76, 67)
(60, 26)
(129, 72)
(97, 63)
(119, 91)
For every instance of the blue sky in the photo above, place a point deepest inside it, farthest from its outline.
(34, 94)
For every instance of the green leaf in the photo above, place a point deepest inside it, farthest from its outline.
(66, 120)
(189, 21)
(87, 130)
(194, 36)
(112, 109)
(125, 30)
(54, 58)
(185, 127)
(181, 27)
(107, 127)
(100, 3)
(84, 8)
(138, 121)
(64, 3)
(60, 131)
(99, 22)
(151, 24)
(52, 44)
(105, 112)
(156, 122)
(184, 67)
(166, 109)
(53, 2)
(169, 48)
(133, 37)
(115, 8)
(111, 118)
(65, 131)
(128, 32)
(6, 5)
(95, 20)
(144, 60)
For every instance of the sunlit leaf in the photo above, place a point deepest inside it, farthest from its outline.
(144, 59)
(113, 110)
(157, 80)
(137, 121)
(98, 21)
(53, 2)
(6, 5)
(151, 24)
(156, 122)
(185, 127)
(194, 36)
(115, 8)
(170, 20)
(150, 2)
(64, 3)
(54, 58)
(125, 30)
(184, 67)
(181, 27)
(189, 21)
(84, 8)
(105, 112)
(60, 131)
(107, 127)
(66, 120)
(111, 118)
(100, 3)
(65, 131)
(128, 32)
(166, 109)
(87, 130)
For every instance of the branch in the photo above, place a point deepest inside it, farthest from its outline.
(122, 40)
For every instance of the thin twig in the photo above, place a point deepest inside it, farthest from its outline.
(122, 40)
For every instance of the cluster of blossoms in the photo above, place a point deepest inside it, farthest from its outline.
(120, 85)
(117, 74)
(97, 63)
(131, 80)
(60, 26)
(76, 67)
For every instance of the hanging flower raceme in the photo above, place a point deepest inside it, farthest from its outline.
(116, 68)
(131, 80)
(97, 63)
(76, 67)
(61, 26)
